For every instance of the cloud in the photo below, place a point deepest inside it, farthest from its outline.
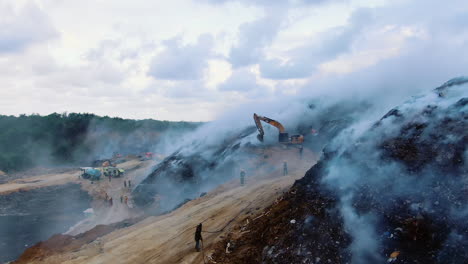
(241, 80)
(23, 27)
(182, 62)
(304, 60)
(253, 38)
(431, 55)
(274, 2)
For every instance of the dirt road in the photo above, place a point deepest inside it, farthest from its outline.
(55, 179)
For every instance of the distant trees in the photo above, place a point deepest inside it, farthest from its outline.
(28, 140)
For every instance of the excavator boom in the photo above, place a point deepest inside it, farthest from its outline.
(283, 135)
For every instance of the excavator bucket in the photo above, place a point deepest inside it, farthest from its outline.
(260, 137)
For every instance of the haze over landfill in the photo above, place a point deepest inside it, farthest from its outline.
(232, 131)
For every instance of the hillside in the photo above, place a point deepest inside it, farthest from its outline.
(75, 138)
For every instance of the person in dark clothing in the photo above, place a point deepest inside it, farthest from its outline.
(129, 184)
(242, 177)
(125, 184)
(198, 237)
(301, 149)
(285, 168)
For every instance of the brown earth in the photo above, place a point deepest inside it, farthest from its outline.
(169, 238)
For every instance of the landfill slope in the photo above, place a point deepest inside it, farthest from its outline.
(397, 193)
(169, 238)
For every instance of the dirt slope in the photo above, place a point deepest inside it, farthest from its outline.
(169, 238)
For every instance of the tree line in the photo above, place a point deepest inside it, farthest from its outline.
(67, 138)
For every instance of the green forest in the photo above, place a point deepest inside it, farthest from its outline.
(71, 138)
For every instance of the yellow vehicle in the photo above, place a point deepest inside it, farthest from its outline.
(283, 136)
(113, 172)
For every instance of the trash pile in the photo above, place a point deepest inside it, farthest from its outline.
(180, 175)
(396, 193)
(202, 164)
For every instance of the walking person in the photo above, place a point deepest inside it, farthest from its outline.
(125, 184)
(129, 184)
(198, 237)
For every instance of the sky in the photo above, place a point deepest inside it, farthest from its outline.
(194, 60)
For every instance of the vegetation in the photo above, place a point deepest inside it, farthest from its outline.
(71, 138)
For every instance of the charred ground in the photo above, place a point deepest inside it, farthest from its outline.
(398, 194)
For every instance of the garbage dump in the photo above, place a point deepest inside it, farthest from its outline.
(396, 193)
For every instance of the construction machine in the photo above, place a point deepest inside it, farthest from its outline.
(113, 172)
(283, 136)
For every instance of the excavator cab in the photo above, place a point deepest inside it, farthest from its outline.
(283, 137)
(297, 139)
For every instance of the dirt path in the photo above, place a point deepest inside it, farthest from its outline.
(104, 189)
(56, 179)
(170, 238)
(39, 182)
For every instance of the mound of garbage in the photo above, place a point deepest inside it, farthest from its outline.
(395, 193)
(206, 163)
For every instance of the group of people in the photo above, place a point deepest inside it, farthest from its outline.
(124, 199)
(110, 202)
(129, 184)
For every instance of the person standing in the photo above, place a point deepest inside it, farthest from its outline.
(242, 177)
(301, 150)
(285, 168)
(198, 237)
(125, 184)
(129, 184)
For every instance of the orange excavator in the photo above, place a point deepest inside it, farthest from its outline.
(283, 137)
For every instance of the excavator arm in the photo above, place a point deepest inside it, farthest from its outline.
(259, 127)
(283, 136)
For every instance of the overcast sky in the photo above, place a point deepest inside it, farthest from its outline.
(195, 59)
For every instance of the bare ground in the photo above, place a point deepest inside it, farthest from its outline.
(170, 238)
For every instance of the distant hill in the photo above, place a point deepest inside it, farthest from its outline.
(72, 138)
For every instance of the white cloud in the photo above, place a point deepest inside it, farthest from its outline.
(145, 59)
(242, 80)
(182, 62)
(23, 27)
